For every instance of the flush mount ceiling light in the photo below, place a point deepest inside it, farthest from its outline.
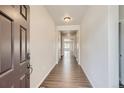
(67, 19)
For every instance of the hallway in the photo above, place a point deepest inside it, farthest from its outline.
(66, 74)
(35, 42)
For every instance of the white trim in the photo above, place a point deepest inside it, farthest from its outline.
(79, 60)
(45, 76)
(113, 47)
(68, 27)
(93, 85)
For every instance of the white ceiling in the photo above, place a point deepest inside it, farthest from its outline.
(58, 12)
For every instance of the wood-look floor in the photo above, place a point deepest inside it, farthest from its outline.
(66, 74)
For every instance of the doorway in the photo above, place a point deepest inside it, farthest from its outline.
(69, 43)
(121, 54)
(121, 46)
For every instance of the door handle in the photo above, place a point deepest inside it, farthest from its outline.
(30, 68)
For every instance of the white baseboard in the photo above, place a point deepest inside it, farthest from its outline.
(79, 64)
(78, 61)
(87, 77)
(45, 76)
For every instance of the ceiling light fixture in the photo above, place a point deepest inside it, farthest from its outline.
(67, 19)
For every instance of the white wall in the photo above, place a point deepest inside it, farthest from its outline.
(42, 44)
(78, 46)
(58, 49)
(99, 45)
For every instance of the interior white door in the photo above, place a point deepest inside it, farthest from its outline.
(121, 33)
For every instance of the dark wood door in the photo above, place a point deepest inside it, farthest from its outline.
(14, 46)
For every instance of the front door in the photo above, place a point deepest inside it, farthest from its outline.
(14, 46)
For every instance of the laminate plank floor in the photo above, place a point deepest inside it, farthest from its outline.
(66, 74)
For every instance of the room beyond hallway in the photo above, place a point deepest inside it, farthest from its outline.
(66, 74)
